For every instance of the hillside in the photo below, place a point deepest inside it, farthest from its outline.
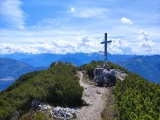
(58, 85)
(11, 69)
(131, 98)
(146, 66)
(137, 99)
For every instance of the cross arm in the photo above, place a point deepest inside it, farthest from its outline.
(106, 42)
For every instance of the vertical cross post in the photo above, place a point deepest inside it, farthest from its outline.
(105, 49)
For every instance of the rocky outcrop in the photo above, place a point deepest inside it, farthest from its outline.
(56, 113)
(41, 106)
(63, 113)
(119, 74)
(103, 76)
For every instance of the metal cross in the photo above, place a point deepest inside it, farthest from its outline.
(105, 49)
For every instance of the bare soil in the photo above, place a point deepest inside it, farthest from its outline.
(95, 97)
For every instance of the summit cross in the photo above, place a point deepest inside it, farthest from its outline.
(105, 49)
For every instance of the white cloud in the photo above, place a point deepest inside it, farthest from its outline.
(143, 36)
(84, 44)
(81, 44)
(72, 9)
(7, 48)
(146, 46)
(50, 24)
(46, 23)
(119, 47)
(11, 11)
(144, 40)
(88, 12)
(126, 21)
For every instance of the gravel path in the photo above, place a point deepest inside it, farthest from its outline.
(96, 98)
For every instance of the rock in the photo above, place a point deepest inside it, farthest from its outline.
(35, 103)
(70, 110)
(15, 116)
(119, 74)
(104, 76)
(44, 107)
(49, 115)
(63, 113)
(68, 115)
(98, 92)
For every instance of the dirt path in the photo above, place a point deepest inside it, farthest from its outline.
(95, 97)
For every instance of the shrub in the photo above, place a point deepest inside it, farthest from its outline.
(137, 98)
(58, 85)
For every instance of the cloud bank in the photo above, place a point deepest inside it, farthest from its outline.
(85, 44)
(81, 44)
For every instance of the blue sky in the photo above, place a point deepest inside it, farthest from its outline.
(69, 26)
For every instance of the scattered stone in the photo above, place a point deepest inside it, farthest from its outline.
(15, 116)
(120, 74)
(41, 106)
(35, 103)
(63, 113)
(44, 107)
(98, 92)
(48, 115)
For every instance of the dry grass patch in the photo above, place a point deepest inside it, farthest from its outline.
(110, 111)
(34, 114)
(86, 79)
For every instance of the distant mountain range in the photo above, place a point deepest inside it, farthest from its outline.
(14, 65)
(146, 66)
(44, 60)
(11, 69)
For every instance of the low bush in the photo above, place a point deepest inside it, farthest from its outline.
(138, 99)
(58, 85)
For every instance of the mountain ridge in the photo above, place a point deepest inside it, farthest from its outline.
(147, 66)
(39, 60)
(59, 85)
(11, 69)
